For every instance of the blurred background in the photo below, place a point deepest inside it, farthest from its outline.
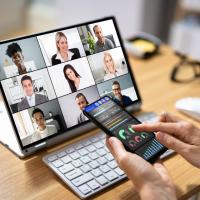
(170, 20)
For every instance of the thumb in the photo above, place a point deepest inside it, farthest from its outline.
(116, 148)
(133, 165)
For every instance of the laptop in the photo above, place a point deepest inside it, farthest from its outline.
(47, 79)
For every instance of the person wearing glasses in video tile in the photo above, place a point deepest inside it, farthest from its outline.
(123, 100)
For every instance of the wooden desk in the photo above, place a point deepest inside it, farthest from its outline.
(31, 179)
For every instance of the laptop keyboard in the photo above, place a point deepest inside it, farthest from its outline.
(88, 167)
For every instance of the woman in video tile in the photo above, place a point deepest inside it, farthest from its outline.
(63, 53)
(14, 51)
(110, 69)
(76, 82)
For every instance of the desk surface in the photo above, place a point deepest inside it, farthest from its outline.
(31, 179)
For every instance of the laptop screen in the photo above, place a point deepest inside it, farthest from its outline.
(47, 79)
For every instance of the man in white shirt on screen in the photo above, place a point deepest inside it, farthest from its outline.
(31, 98)
(42, 130)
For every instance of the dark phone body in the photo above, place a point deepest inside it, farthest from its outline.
(143, 144)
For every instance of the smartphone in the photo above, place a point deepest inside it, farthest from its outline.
(115, 121)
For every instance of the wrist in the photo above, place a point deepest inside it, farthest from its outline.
(151, 192)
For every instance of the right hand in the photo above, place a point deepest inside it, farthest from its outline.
(176, 134)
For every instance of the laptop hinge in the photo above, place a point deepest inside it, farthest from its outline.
(41, 145)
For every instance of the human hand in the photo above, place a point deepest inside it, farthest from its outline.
(151, 181)
(176, 134)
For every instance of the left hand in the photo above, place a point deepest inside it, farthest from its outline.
(151, 181)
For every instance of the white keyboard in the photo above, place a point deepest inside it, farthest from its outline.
(88, 167)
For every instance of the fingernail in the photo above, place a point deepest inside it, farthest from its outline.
(135, 125)
(159, 136)
(111, 140)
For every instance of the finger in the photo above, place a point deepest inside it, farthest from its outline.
(108, 145)
(171, 142)
(171, 128)
(162, 117)
(168, 117)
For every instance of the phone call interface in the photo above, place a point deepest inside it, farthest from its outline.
(112, 117)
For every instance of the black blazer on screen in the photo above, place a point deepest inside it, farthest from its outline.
(76, 55)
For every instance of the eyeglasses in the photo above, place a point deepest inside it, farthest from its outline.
(186, 70)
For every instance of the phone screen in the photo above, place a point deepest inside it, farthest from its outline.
(118, 122)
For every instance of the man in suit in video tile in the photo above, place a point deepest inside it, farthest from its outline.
(82, 102)
(31, 98)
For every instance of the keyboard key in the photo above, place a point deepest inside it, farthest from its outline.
(111, 175)
(61, 154)
(102, 180)
(82, 179)
(75, 155)
(57, 163)
(73, 174)
(102, 136)
(66, 159)
(91, 148)
(94, 164)
(94, 139)
(101, 152)
(83, 152)
(93, 155)
(70, 150)
(85, 159)
(85, 168)
(77, 163)
(112, 164)
(119, 171)
(84, 189)
(93, 184)
(109, 157)
(52, 158)
(78, 146)
(96, 172)
(66, 168)
(104, 168)
(98, 145)
(86, 142)
(101, 160)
